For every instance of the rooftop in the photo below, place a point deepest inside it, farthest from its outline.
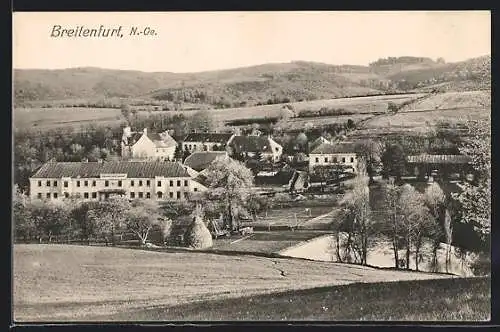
(332, 148)
(201, 160)
(160, 140)
(251, 144)
(220, 138)
(439, 159)
(133, 169)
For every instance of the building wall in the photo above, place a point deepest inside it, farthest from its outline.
(88, 188)
(144, 148)
(349, 159)
(200, 146)
(277, 150)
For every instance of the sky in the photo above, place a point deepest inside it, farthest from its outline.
(201, 41)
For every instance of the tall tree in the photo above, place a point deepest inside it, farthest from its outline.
(475, 197)
(394, 161)
(109, 216)
(229, 183)
(359, 223)
(371, 151)
(142, 216)
(414, 218)
(435, 200)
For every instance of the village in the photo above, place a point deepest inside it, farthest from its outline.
(298, 198)
(214, 176)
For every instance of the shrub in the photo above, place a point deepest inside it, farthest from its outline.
(197, 235)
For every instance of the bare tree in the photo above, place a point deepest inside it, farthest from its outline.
(393, 218)
(142, 217)
(435, 200)
(356, 205)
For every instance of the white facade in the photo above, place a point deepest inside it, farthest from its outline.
(158, 188)
(347, 159)
(145, 148)
(200, 146)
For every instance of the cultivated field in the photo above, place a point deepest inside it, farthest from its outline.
(47, 118)
(467, 299)
(50, 118)
(453, 100)
(61, 282)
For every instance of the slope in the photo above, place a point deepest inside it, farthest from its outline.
(70, 282)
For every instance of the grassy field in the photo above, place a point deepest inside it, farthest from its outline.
(416, 121)
(266, 242)
(47, 118)
(61, 282)
(427, 300)
(453, 100)
(50, 118)
(290, 216)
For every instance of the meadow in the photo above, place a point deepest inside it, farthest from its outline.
(78, 283)
(265, 242)
(457, 299)
(49, 118)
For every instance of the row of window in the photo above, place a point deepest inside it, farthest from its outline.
(132, 195)
(335, 159)
(120, 183)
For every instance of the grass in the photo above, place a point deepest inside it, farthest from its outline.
(50, 118)
(424, 300)
(76, 283)
(266, 242)
(286, 216)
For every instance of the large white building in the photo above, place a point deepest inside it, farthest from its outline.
(343, 153)
(159, 180)
(147, 145)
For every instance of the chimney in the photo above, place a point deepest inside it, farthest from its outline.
(127, 131)
(145, 131)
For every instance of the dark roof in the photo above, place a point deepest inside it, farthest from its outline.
(201, 160)
(160, 140)
(133, 169)
(251, 144)
(327, 148)
(220, 138)
(317, 142)
(281, 178)
(202, 179)
(439, 159)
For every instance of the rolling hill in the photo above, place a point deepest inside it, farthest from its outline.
(262, 84)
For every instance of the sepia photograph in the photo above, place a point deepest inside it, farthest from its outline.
(251, 166)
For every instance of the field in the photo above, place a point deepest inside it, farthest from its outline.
(46, 118)
(77, 283)
(417, 120)
(291, 216)
(427, 300)
(50, 118)
(453, 100)
(265, 242)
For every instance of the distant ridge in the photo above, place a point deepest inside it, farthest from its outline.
(294, 81)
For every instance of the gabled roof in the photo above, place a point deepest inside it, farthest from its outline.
(251, 144)
(220, 138)
(332, 148)
(317, 142)
(438, 159)
(201, 160)
(163, 140)
(133, 169)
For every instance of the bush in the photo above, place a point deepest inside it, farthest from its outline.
(197, 235)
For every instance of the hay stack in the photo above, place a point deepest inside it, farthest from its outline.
(197, 235)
